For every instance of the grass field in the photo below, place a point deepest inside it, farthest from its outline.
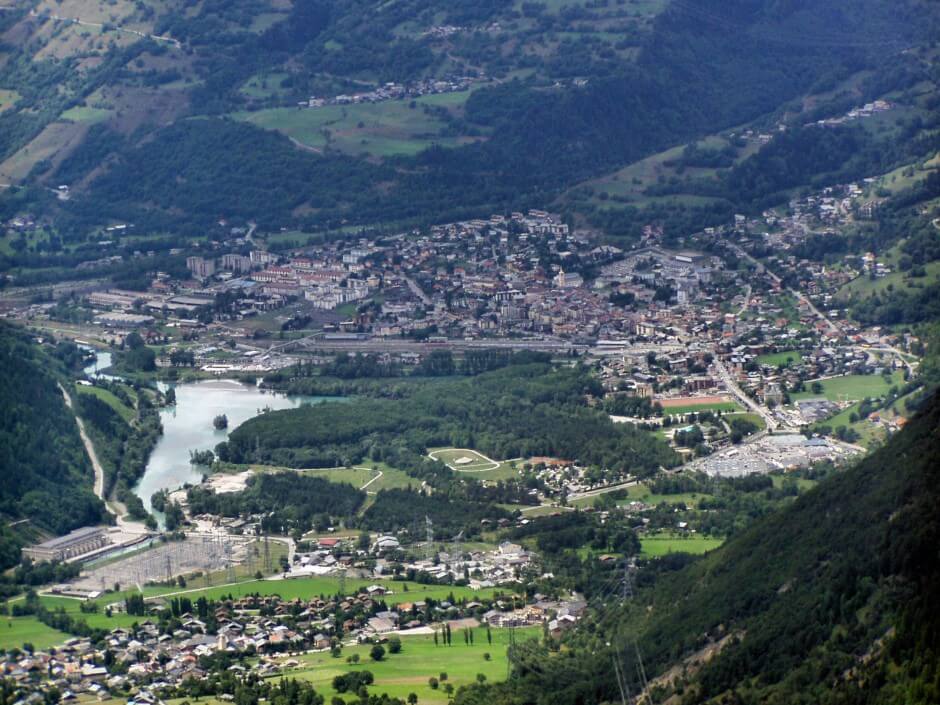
(380, 129)
(390, 477)
(755, 419)
(453, 457)
(124, 411)
(723, 406)
(265, 86)
(631, 182)
(50, 144)
(8, 99)
(662, 545)
(86, 114)
(784, 357)
(897, 280)
(868, 432)
(14, 631)
(801, 482)
(642, 493)
(306, 588)
(851, 387)
(409, 671)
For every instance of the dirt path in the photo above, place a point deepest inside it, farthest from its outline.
(116, 509)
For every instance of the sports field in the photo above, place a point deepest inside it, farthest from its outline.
(687, 405)
(419, 660)
(463, 459)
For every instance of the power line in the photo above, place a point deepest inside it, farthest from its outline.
(619, 657)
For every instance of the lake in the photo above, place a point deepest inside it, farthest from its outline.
(188, 426)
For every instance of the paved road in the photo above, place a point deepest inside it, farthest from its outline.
(378, 345)
(603, 490)
(761, 269)
(115, 28)
(749, 403)
(747, 301)
(886, 349)
(418, 291)
(372, 480)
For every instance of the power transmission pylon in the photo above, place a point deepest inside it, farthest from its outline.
(429, 527)
(623, 683)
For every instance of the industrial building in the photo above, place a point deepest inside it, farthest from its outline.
(73, 545)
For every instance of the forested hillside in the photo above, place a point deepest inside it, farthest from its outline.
(832, 600)
(45, 476)
(518, 411)
(552, 93)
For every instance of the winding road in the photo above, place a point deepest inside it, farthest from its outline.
(115, 28)
(114, 508)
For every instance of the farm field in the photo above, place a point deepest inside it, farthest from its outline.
(409, 671)
(86, 114)
(662, 545)
(851, 387)
(380, 129)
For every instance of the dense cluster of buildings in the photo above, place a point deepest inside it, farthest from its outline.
(166, 648)
(397, 91)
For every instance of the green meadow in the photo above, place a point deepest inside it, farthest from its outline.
(662, 545)
(381, 129)
(851, 387)
(410, 670)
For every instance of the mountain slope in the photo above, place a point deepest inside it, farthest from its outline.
(832, 600)
(816, 587)
(45, 476)
(558, 93)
